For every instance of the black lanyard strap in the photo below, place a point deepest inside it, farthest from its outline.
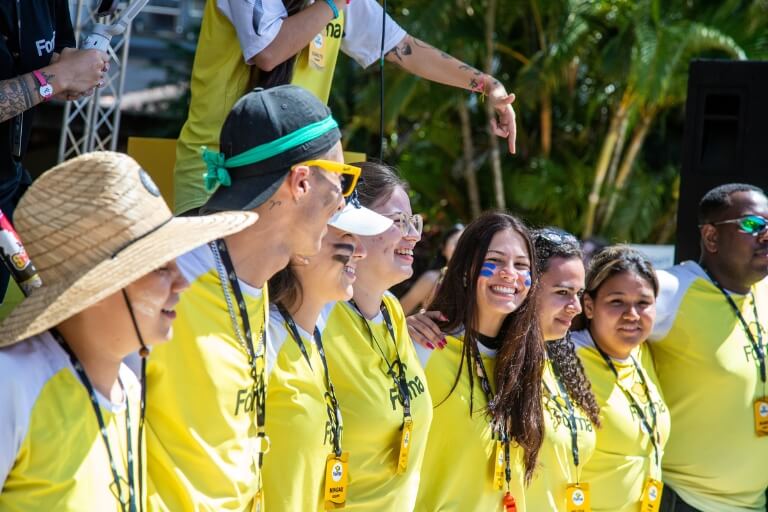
(332, 404)
(499, 431)
(570, 412)
(129, 504)
(651, 427)
(395, 369)
(294, 332)
(256, 358)
(757, 344)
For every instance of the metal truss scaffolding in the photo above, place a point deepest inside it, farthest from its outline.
(92, 123)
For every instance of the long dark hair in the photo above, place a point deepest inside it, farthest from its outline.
(377, 183)
(285, 288)
(517, 405)
(281, 74)
(553, 243)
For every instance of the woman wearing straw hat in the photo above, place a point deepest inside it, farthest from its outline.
(104, 243)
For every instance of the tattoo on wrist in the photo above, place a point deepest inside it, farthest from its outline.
(48, 76)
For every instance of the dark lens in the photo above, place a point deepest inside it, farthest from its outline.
(346, 184)
(753, 224)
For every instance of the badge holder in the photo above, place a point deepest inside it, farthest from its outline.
(317, 50)
(577, 498)
(761, 416)
(405, 445)
(336, 480)
(498, 467)
(651, 495)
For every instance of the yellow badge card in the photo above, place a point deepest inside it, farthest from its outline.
(317, 49)
(336, 480)
(651, 496)
(498, 467)
(577, 498)
(405, 445)
(761, 416)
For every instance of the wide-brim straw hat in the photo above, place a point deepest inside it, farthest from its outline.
(93, 225)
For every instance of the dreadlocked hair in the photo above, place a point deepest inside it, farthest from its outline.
(551, 243)
(517, 404)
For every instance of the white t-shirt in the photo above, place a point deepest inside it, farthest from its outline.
(257, 23)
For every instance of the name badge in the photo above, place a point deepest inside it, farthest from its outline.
(317, 49)
(761, 416)
(336, 480)
(651, 496)
(498, 467)
(577, 498)
(405, 445)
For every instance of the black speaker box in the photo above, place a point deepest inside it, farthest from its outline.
(725, 140)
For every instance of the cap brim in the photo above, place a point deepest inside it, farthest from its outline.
(359, 220)
(245, 193)
(53, 303)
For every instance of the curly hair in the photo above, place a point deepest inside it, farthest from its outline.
(517, 404)
(551, 243)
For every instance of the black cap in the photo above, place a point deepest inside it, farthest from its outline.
(259, 117)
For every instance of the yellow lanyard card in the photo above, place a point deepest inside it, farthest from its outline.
(761, 416)
(498, 467)
(336, 480)
(317, 49)
(651, 496)
(405, 445)
(577, 498)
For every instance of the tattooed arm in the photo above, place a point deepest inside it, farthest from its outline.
(71, 74)
(18, 95)
(424, 60)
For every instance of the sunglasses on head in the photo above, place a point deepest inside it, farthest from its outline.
(349, 174)
(750, 224)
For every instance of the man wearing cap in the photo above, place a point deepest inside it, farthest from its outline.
(104, 242)
(709, 346)
(281, 157)
(243, 43)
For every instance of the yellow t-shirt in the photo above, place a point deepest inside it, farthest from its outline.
(220, 76)
(372, 413)
(708, 371)
(52, 455)
(201, 415)
(624, 456)
(556, 467)
(231, 34)
(297, 422)
(459, 463)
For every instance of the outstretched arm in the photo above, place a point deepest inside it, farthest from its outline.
(426, 61)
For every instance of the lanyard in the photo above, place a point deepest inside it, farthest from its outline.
(125, 504)
(294, 332)
(757, 345)
(256, 358)
(497, 429)
(398, 376)
(570, 413)
(332, 404)
(650, 428)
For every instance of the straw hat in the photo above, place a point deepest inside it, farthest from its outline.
(93, 225)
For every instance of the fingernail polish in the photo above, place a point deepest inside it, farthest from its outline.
(430, 346)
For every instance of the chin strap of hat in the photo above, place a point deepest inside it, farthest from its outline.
(143, 353)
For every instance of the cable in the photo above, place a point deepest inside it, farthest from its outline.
(381, 80)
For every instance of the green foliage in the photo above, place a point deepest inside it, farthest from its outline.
(585, 56)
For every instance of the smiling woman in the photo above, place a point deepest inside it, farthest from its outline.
(619, 310)
(485, 383)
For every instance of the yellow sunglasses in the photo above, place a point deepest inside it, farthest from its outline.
(349, 173)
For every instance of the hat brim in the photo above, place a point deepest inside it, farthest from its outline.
(53, 303)
(241, 195)
(360, 220)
